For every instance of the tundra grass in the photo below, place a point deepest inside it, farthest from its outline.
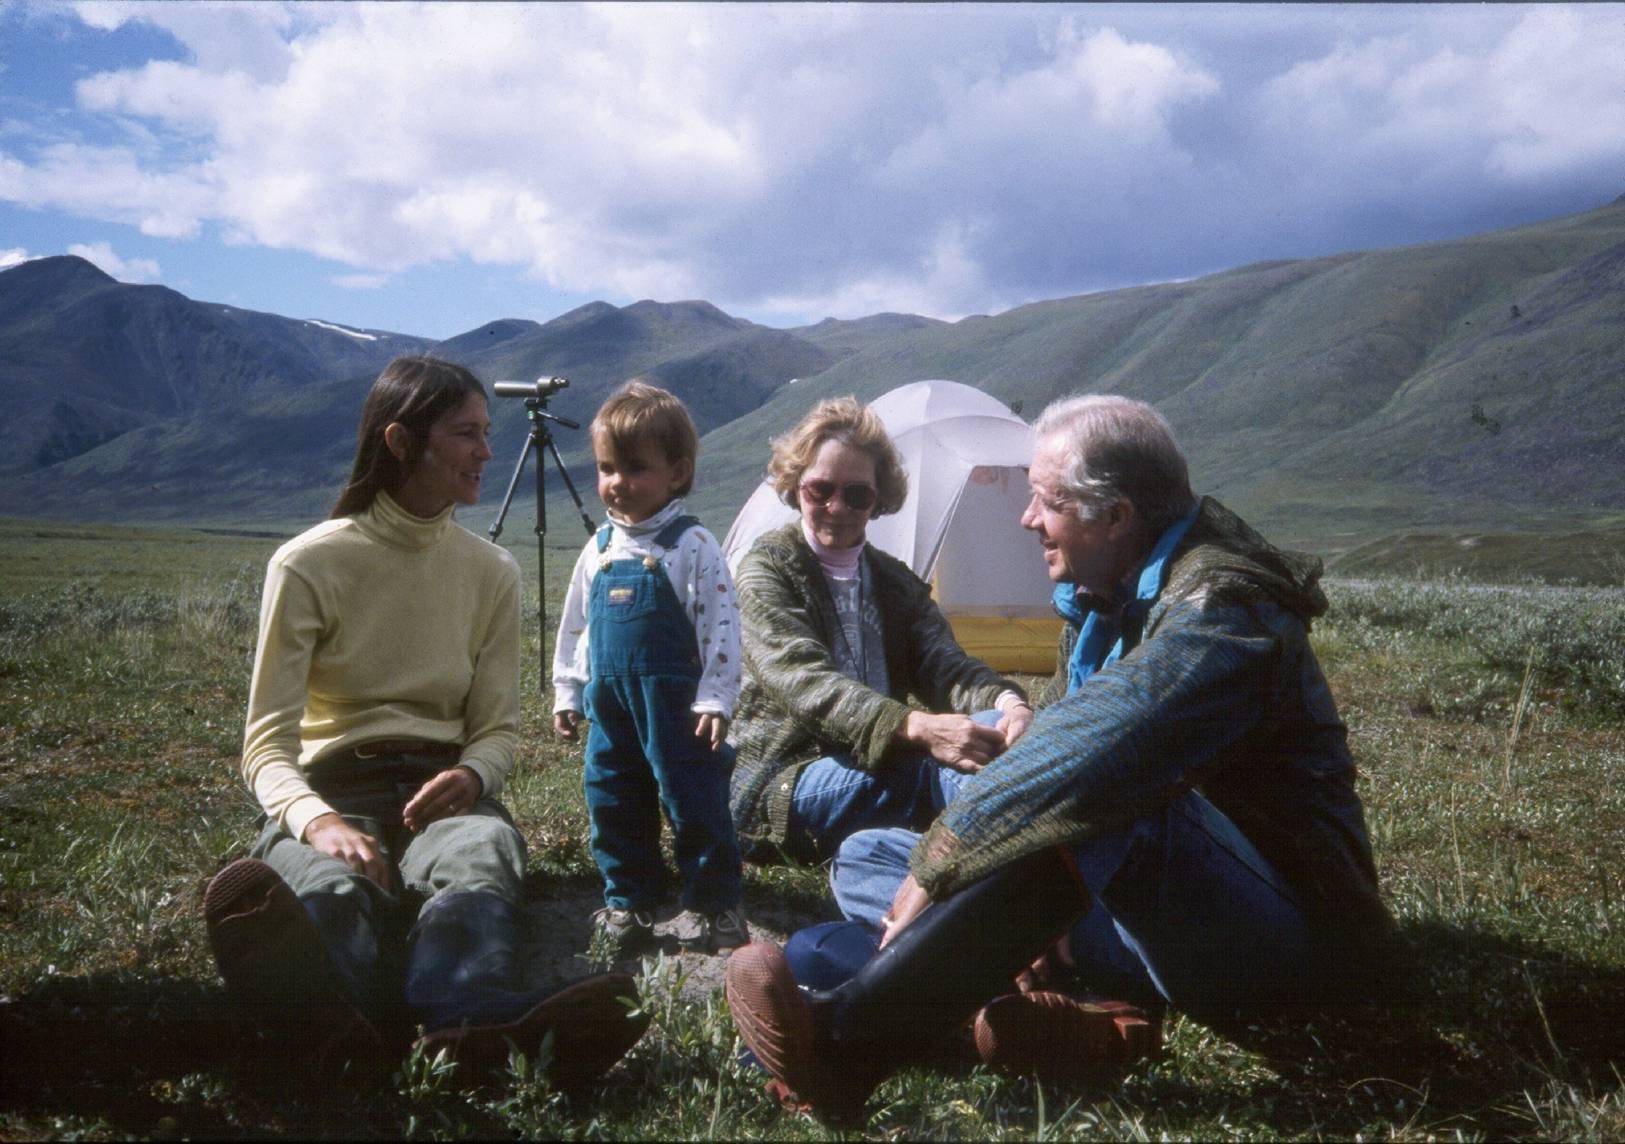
(1489, 726)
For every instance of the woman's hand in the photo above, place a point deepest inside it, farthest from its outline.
(564, 724)
(448, 794)
(956, 741)
(1014, 722)
(712, 728)
(331, 835)
(905, 907)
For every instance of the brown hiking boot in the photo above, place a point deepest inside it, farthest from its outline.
(1058, 1038)
(594, 1022)
(277, 971)
(776, 1024)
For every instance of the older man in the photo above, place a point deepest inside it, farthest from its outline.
(1188, 801)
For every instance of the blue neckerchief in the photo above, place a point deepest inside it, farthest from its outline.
(1099, 637)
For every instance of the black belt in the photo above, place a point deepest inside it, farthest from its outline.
(384, 748)
(376, 779)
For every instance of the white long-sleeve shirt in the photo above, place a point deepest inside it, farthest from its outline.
(698, 575)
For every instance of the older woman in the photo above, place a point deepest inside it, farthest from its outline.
(837, 635)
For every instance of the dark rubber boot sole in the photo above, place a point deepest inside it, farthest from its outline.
(594, 1023)
(776, 1024)
(277, 971)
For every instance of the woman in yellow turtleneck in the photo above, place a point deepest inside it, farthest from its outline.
(385, 888)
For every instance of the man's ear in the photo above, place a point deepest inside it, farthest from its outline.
(398, 440)
(1121, 519)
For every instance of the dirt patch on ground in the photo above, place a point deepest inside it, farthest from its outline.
(559, 921)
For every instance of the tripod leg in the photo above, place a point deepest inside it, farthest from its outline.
(513, 483)
(568, 483)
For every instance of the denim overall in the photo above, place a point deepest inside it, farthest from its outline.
(642, 755)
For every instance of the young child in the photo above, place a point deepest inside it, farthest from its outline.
(648, 649)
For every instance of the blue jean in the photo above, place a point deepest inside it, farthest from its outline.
(642, 755)
(1185, 908)
(642, 758)
(834, 798)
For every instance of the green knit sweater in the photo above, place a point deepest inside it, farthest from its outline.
(796, 706)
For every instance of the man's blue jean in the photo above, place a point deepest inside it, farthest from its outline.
(1185, 908)
(834, 799)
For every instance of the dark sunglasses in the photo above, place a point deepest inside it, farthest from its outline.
(856, 496)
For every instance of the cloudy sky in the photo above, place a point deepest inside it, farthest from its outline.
(428, 168)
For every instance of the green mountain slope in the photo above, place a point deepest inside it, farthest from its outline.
(1479, 381)
(84, 359)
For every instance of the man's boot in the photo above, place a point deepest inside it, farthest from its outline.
(463, 979)
(833, 1047)
(1062, 1039)
(278, 969)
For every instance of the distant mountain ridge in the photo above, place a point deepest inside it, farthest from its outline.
(87, 359)
(1332, 399)
(1480, 380)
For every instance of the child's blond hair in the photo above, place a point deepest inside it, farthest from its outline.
(638, 413)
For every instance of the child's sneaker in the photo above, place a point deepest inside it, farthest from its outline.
(714, 933)
(624, 932)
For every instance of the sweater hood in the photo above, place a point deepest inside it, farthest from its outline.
(1222, 557)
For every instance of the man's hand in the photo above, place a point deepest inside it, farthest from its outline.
(1014, 722)
(905, 907)
(712, 728)
(448, 794)
(331, 835)
(564, 724)
(958, 742)
(1049, 968)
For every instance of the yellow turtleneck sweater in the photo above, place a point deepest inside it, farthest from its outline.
(381, 625)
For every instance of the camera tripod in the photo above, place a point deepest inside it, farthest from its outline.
(540, 440)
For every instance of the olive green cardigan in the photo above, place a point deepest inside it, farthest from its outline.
(796, 706)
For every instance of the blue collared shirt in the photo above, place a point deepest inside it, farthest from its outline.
(1100, 638)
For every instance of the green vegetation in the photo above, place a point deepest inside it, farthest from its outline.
(1490, 727)
(1595, 557)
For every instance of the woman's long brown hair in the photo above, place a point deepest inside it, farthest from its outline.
(415, 391)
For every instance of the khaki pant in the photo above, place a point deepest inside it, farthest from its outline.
(479, 850)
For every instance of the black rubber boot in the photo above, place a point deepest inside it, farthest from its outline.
(909, 1003)
(465, 982)
(366, 953)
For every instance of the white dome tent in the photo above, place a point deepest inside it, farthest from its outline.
(967, 457)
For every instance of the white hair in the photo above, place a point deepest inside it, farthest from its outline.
(1117, 448)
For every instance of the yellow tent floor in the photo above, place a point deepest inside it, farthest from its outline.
(1025, 644)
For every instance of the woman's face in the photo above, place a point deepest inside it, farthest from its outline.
(453, 459)
(842, 471)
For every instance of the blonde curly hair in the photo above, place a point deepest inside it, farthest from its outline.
(846, 420)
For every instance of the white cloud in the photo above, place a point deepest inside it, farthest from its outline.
(945, 283)
(15, 256)
(1545, 99)
(125, 270)
(840, 158)
(111, 184)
